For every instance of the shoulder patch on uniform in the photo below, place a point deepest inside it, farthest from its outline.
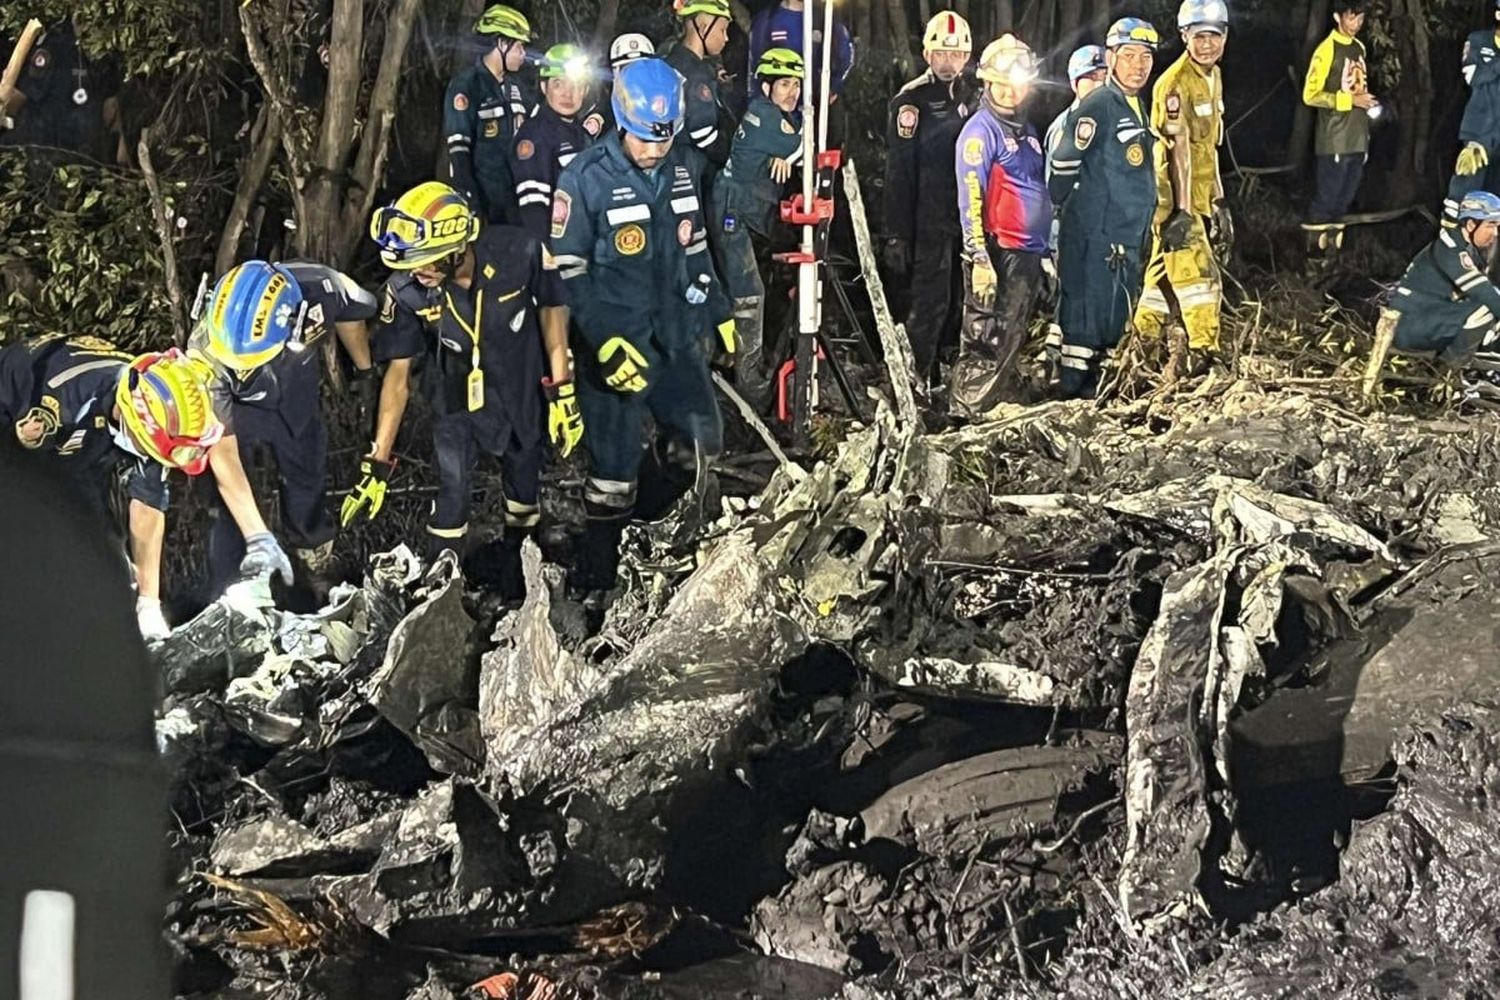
(1174, 105)
(974, 151)
(594, 124)
(685, 232)
(704, 92)
(1466, 260)
(630, 240)
(562, 208)
(460, 101)
(525, 149)
(906, 120)
(1083, 133)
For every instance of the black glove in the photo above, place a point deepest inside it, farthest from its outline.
(897, 255)
(1177, 231)
(1221, 229)
(365, 388)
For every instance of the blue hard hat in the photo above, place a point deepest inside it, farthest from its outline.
(1205, 14)
(1090, 59)
(1132, 31)
(648, 99)
(1481, 206)
(250, 316)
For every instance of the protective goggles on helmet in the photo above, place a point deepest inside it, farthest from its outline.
(407, 241)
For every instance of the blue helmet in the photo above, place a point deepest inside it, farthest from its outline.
(1204, 14)
(1481, 206)
(1132, 31)
(648, 99)
(1089, 59)
(250, 316)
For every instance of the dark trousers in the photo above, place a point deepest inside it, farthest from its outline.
(301, 458)
(992, 338)
(1100, 288)
(1338, 180)
(458, 439)
(936, 294)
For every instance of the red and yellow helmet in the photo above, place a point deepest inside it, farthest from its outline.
(166, 409)
(423, 226)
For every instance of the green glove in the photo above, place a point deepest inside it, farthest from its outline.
(622, 366)
(1473, 159)
(564, 422)
(726, 334)
(369, 491)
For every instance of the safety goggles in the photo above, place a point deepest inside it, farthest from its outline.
(1143, 34)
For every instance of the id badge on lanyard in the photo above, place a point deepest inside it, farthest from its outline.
(475, 382)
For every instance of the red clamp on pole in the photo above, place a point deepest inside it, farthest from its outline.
(794, 212)
(831, 159)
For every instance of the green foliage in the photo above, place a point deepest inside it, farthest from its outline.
(78, 254)
(146, 36)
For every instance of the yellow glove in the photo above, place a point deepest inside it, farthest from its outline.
(726, 334)
(564, 422)
(622, 366)
(369, 491)
(1473, 159)
(982, 282)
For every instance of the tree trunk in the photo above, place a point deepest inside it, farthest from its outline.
(1302, 122)
(604, 31)
(1409, 19)
(265, 139)
(900, 34)
(1101, 20)
(924, 12)
(864, 24)
(1073, 24)
(1004, 14)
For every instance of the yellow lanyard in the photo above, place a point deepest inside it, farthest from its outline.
(476, 374)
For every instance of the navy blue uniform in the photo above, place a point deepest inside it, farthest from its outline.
(546, 143)
(1103, 181)
(1481, 120)
(481, 361)
(709, 125)
(778, 27)
(69, 384)
(277, 408)
(481, 116)
(630, 246)
(65, 97)
(1445, 301)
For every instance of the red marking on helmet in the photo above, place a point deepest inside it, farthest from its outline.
(952, 24)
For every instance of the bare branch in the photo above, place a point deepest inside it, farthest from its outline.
(165, 230)
(265, 138)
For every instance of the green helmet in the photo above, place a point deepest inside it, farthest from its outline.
(713, 8)
(780, 62)
(566, 61)
(504, 21)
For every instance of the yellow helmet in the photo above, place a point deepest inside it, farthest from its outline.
(423, 226)
(1007, 60)
(166, 409)
(507, 22)
(948, 32)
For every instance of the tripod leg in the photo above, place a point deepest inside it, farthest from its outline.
(840, 377)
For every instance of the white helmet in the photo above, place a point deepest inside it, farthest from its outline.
(948, 32)
(1203, 13)
(631, 45)
(1008, 60)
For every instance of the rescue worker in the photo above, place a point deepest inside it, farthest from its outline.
(922, 233)
(1479, 130)
(1192, 221)
(598, 120)
(1086, 73)
(477, 307)
(1103, 182)
(1337, 85)
(629, 231)
(1445, 302)
(99, 416)
(1007, 223)
(705, 32)
(552, 137)
(262, 328)
(64, 101)
(483, 110)
(779, 26)
(747, 199)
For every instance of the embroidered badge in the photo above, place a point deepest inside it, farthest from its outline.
(630, 240)
(906, 120)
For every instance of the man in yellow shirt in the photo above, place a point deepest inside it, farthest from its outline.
(1191, 221)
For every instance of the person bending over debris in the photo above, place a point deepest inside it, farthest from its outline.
(1192, 222)
(923, 242)
(1337, 85)
(481, 306)
(628, 228)
(552, 137)
(100, 414)
(1007, 223)
(483, 110)
(1103, 181)
(256, 328)
(747, 199)
(1479, 130)
(1445, 303)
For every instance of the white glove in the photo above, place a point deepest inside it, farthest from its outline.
(150, 620)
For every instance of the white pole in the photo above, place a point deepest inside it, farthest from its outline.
(807, 272)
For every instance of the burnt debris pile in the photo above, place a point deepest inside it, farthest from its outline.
(1094, 700)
